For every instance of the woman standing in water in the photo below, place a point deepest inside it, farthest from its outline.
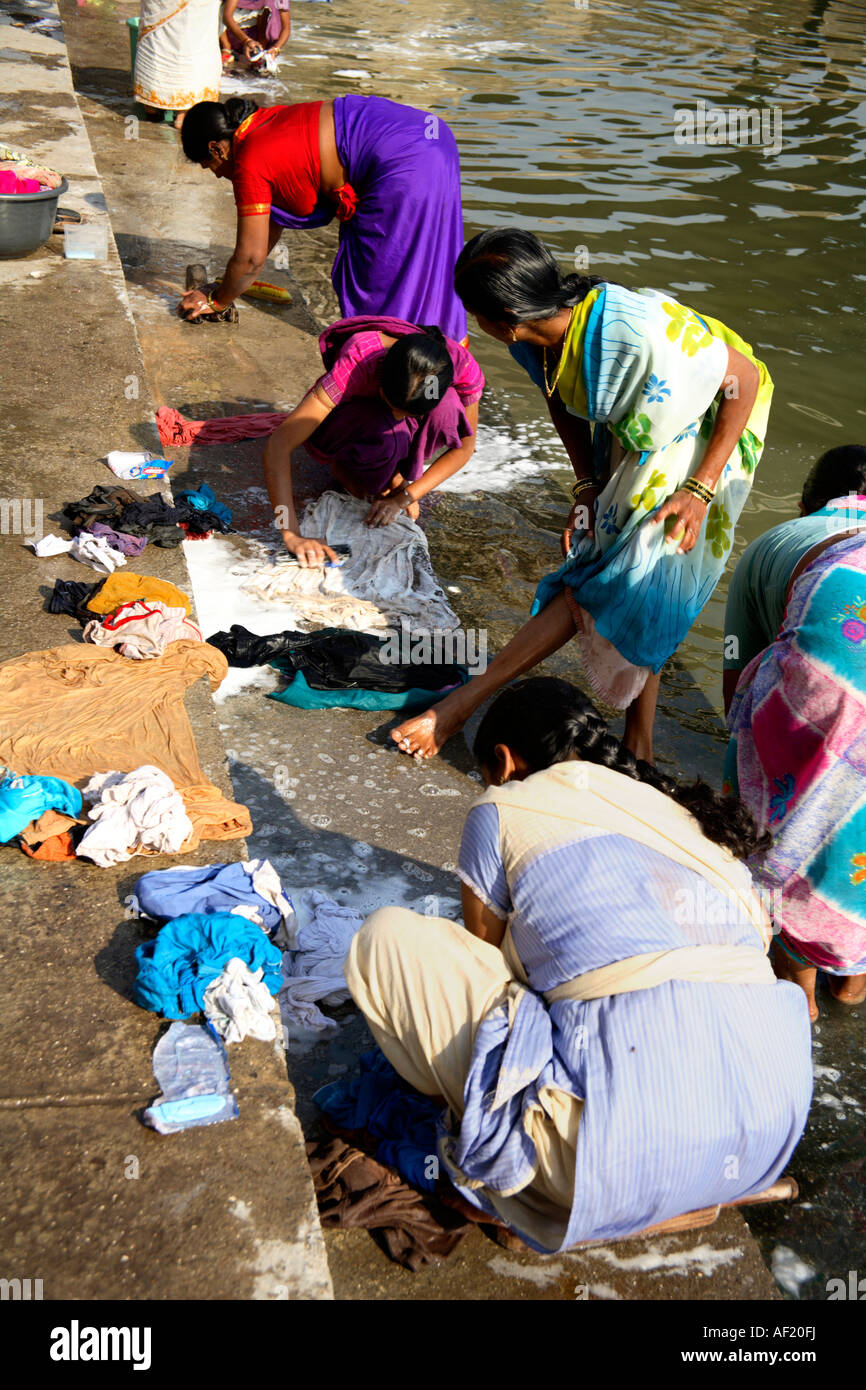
(177, 58)
(680, 407)
(606, 1029)
(389, 173)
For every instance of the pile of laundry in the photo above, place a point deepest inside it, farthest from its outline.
(339, 667)
(100, 755)
(113, 524)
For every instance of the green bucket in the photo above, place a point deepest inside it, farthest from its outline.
(132, 25)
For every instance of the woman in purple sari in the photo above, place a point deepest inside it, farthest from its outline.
(393, 397)
(389, 173)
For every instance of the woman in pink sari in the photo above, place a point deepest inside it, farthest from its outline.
(797, 755)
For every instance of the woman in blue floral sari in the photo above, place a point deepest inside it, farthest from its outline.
(678, 406)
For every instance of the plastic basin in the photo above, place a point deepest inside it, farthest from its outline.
(27, 220)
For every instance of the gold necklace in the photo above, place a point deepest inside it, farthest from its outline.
(550, 387)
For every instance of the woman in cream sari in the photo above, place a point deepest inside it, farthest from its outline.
(678, 406)
(177, 62)
(606, 1031)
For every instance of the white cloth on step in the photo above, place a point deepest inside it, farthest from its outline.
(51, 545)
(90, 550)
(388, 576)
(240, 1005)
(132, 811)
(313, 967)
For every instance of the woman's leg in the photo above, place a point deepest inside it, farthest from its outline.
(640, 718)
(803, 975)
(848, 989)
(424, 735)
(423, 984)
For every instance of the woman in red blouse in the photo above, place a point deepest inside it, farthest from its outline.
(388, 172)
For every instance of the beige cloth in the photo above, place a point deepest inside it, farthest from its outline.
(546, 809)
(77, 710)
(424, 984)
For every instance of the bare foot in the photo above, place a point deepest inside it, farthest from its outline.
(178, 119)
(425, 734)
(803, 975)
(848, 989)
(640, 746)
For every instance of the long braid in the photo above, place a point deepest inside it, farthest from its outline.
(547, 721)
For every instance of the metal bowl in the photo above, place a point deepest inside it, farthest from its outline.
(27, 220)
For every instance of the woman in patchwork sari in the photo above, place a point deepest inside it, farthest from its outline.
(606, 1030)
(177, 61)
(797, 755)
(679, 406)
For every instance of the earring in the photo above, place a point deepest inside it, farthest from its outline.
(513, 338)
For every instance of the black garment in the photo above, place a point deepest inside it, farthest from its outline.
(334, 658)
(150, 515)
(71, 596)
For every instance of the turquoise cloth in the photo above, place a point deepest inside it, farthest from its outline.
(175, 969)
(23, 799)
(302, 696)
(758, 590)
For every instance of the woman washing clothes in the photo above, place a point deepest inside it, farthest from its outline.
(680, 407)
(393, 396)
(177, 60)
(252, 29)
(606, 1030)
(797, 755)
(389, 173)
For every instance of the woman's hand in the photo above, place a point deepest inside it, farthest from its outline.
(683, 515)
(580, 518)
(193, 304)
(251, 48)
(385, 510)
(309, 553)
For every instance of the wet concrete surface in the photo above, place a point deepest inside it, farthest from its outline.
(95, 1204)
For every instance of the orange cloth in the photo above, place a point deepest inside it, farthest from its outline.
(122, 587)
(48, 837)
(76, 710)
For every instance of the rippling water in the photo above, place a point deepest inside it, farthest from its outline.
(565, 118)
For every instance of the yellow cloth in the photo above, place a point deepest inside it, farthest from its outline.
(76, 710)
(124, 587)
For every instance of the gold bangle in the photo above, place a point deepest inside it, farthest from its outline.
(699, 490)
(581, 486)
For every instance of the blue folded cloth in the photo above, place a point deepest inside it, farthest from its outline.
(167, 893)
(23, 799)
(175, 969)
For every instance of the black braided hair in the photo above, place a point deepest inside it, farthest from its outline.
(508, 276)
(546, 720)
(416, 371)
(210, 121)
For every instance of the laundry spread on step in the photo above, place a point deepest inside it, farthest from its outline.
(77, 710)
(251, 888)
(239, 1004)
(175, 431)
(90, 549)
(50, 837)
(313, 966)
(130, 546)
(131, 813)
(142, 630)
(387, 577)
(24, 799)
(175, 969)
(130, 588)
(149, 515)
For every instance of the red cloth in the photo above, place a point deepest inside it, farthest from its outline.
(178, 432)
(276, 160)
